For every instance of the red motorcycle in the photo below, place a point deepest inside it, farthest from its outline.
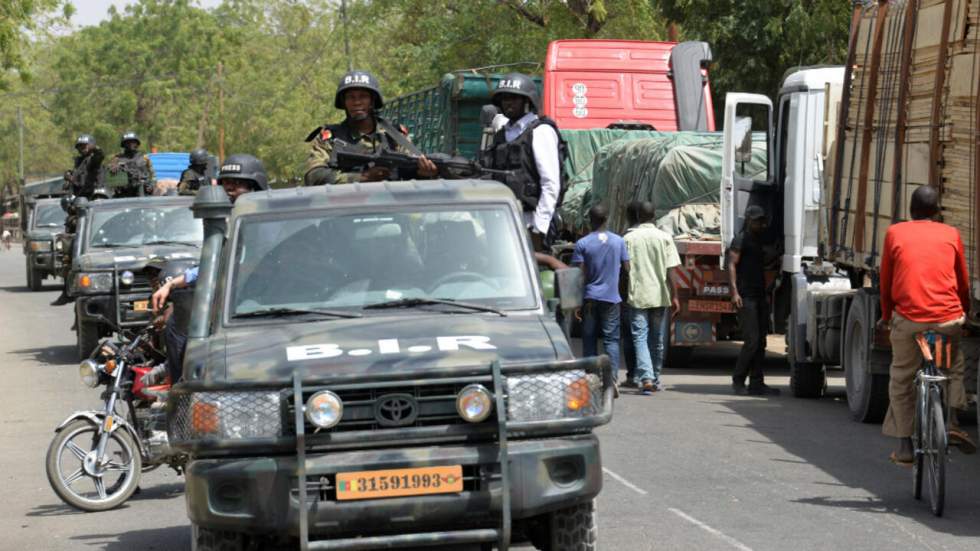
(97, 457)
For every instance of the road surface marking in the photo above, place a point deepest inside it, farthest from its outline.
(714, 531)
(625, 482)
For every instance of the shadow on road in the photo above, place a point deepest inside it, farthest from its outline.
(159, 491)
(153, 539)
(50, 355)
(54, 510)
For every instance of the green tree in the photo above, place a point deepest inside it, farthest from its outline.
(18, 19)
(755, 41)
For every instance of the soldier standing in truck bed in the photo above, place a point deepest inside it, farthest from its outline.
(196, 175)
(359, 95)
(137, 166)
(83, 178)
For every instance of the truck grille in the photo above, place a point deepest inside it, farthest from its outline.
(363, 408)
(129, 295)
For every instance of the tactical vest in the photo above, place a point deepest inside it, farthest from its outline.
(191, 180)
(517, 158)
(86, 175)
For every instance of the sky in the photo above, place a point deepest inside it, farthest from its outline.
(91, 12)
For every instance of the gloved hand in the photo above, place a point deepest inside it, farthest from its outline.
(155, 376)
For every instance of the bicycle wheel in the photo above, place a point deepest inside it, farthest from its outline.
(918, 440)
(937, 448)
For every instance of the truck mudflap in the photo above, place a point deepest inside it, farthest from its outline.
(598, 367)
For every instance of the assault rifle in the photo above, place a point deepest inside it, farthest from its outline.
(136, 180)
(354, 158)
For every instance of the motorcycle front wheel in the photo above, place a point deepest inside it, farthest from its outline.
(82, 480)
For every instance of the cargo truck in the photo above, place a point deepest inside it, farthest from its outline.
(908, 115)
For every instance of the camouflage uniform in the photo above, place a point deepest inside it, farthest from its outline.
(85, 175)
(321, 147)
(191, 180)
(139, 171)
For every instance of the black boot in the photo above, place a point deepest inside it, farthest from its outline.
(62, 300)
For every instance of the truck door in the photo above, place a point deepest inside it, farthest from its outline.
(747, 164)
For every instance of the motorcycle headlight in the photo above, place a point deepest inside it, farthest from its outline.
(324, 409)
(40, 246)
(474, 403)
(88, 370)
(92, 282)
(553, 396)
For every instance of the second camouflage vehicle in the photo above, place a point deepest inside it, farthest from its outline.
(375, 366)
(115, 239)
(45, 220)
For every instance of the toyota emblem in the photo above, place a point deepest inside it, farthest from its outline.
(396, 410)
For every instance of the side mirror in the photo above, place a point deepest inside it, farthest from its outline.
(571, 288)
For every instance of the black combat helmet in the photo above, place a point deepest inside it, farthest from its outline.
(518, 84)
(242, 166)
(129, 136)
(199, 157)
(358, 79)
(84, 139)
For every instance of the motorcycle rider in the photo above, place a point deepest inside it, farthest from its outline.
(196, 175)
(359, 95)
(172, 322)
(239, 174)
(138, 168)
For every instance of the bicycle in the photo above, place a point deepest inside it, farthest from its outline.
(930, 439)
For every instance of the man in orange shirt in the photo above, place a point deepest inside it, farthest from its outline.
(924, 287)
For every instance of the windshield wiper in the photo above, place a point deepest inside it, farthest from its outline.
(172, 242)
(413, 302)
(111, 246)
(285, 312)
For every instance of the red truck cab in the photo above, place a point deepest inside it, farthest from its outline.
(591, 83)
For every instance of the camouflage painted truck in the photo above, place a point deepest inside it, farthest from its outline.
(116, 238)
(374, 366)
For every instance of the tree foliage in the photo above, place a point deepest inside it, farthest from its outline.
(755, 42)
(19, 18)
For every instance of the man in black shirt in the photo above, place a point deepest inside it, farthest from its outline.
(746, 272)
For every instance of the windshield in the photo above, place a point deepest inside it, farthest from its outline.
(136, 226)
(350, 261)
(49, 216)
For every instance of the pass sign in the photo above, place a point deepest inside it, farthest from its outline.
(399, 482)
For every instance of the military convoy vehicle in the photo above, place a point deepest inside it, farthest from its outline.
(114, 241)
(45, 219)
(375, 366)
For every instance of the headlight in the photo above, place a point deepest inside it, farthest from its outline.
(92, 282)
(226, 416)
(40, 246)
(59, 245)
(474, 403)
(126, 278)
(89, 372)
(552, 396)
(324, 409)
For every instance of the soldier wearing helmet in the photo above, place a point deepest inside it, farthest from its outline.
(83, 179)
(359, 95)
(196, 175)
(136, 166)
(528, 147)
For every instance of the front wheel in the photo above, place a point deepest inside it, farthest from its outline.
(34, 276)
(206, 539)
(569, 529)
(85, 481)
(919, 424)
(937, 448)
(86, 338)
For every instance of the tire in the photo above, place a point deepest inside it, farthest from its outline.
(918, 441)
(806, 380)
(205, 539)
(86, 338)
(34, 278)
(938, 447)
(867, 393)
(569, 529)
(117, 493)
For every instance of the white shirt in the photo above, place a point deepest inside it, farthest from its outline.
(544, 144)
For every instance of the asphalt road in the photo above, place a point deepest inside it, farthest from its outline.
(691, 468)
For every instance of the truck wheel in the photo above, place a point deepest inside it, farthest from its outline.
(867, 393)
(205, 539)
(570, 529)
(806, 379)
(86, 338)
(34, 277)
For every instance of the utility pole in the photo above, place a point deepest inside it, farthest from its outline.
(221, 113)
(343, 18)
(20, 144)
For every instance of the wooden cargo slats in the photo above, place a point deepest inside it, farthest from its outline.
(921, 88)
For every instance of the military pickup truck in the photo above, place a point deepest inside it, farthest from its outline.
(114, 241)
(45, 219)
(375, 366)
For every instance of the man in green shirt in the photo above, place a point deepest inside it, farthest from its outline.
(651, 293)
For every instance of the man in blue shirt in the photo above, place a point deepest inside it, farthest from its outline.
(603, 256)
